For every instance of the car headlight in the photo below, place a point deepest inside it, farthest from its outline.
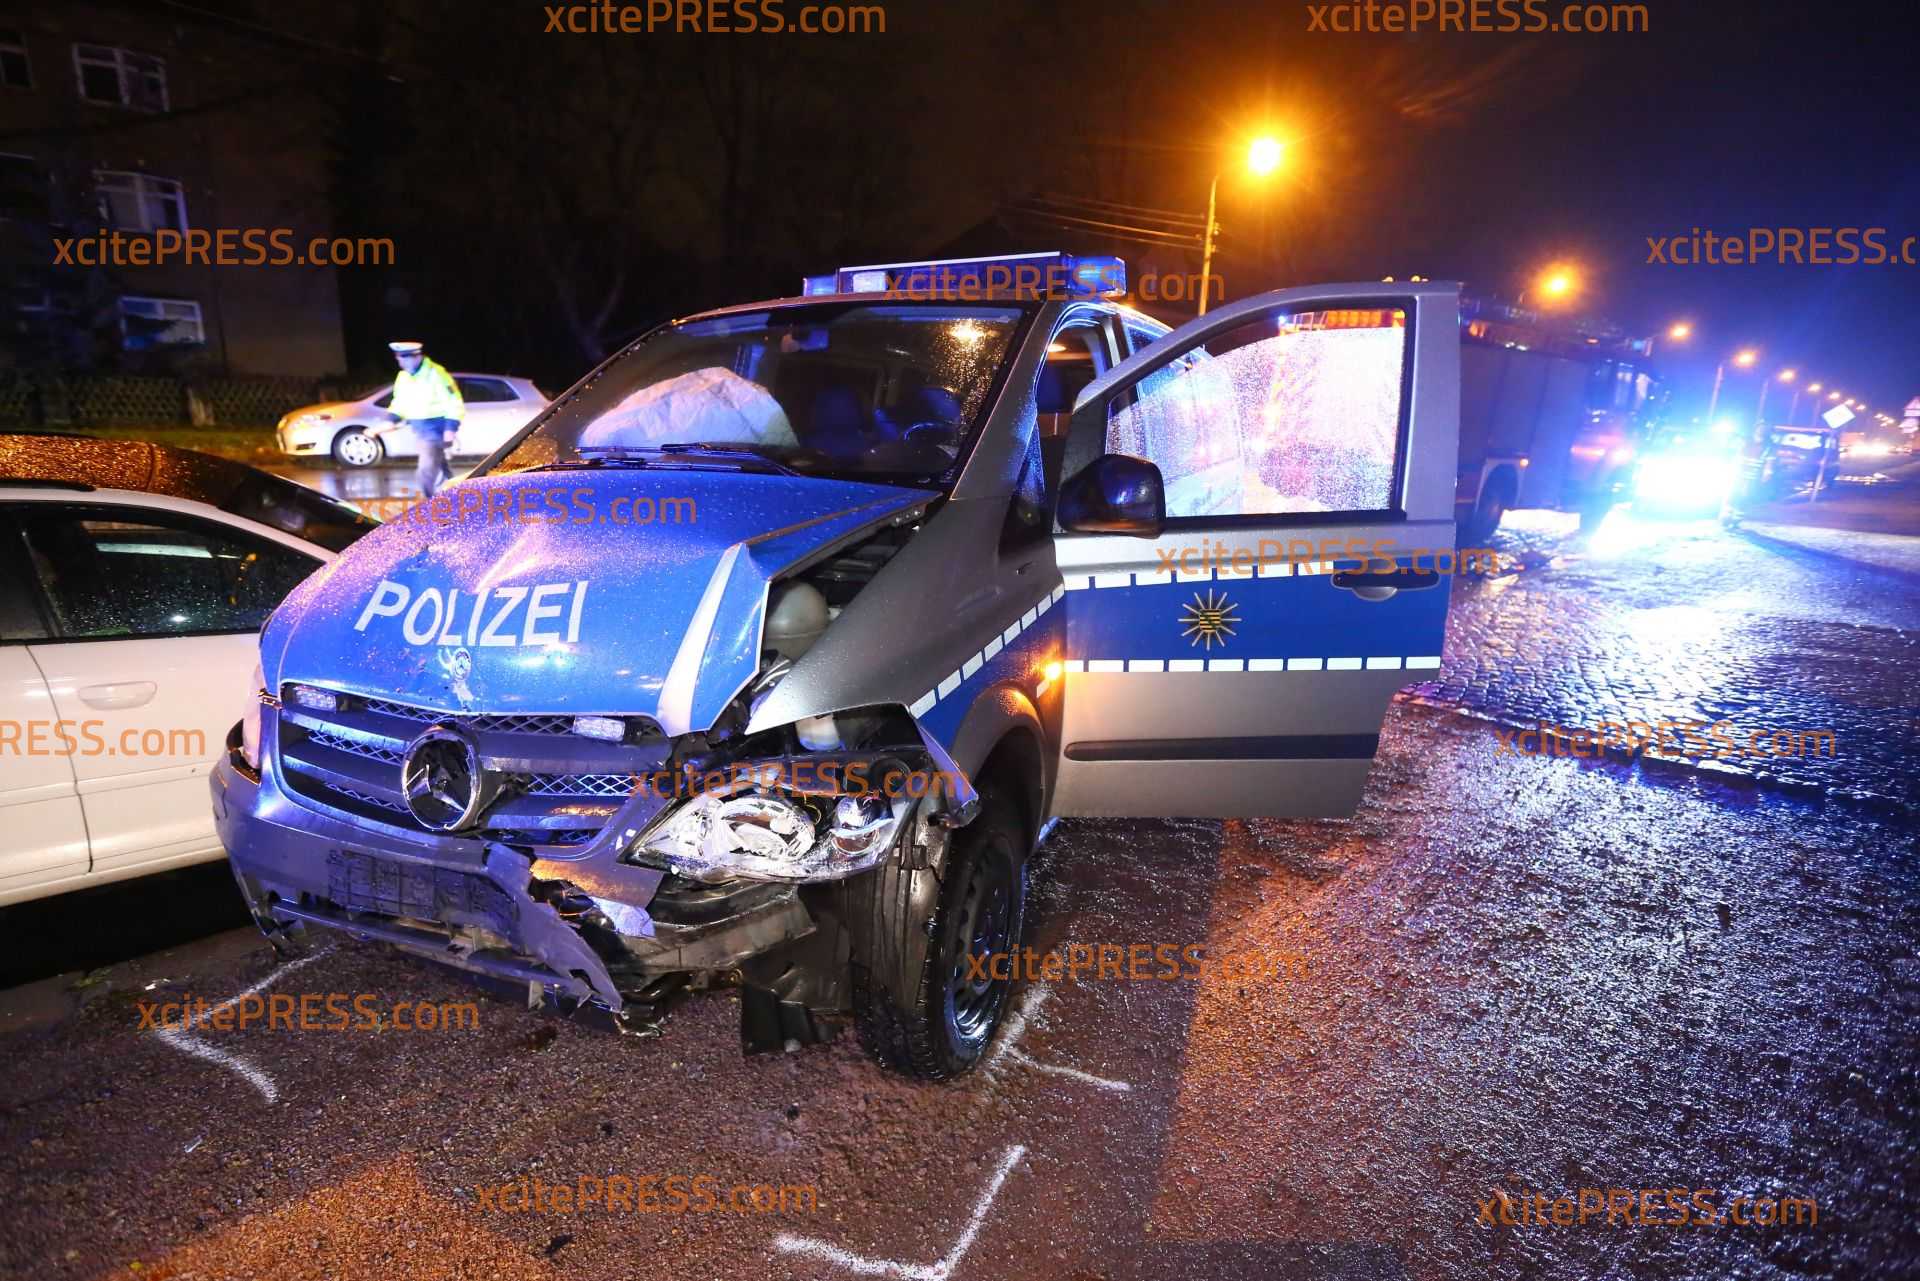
(250, 721)
(773, 838)
(1684, 479)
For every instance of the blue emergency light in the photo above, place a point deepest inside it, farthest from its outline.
(1042, 275)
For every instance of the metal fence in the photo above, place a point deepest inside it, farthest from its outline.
(116, 400)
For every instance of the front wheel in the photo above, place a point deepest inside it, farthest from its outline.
(1486, 517)
(921, 1006)
(355, 448)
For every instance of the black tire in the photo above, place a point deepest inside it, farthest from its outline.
(353, 440)
(912, 930)
(1486, 518)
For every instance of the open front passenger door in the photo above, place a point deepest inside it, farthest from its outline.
(1238, 659)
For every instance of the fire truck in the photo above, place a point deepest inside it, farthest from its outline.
(1551, 416)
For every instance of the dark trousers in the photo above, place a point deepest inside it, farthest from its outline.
(431, 436)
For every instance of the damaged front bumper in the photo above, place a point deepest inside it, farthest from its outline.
(582, 928)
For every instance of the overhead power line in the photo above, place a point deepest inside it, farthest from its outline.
(1132, 211)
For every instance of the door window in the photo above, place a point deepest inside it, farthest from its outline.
(125, 572)
(1292, 412)
(1141, 334)
(20, 617)
(1076, 355)
(484, 391)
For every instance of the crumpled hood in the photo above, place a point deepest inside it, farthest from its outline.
(623, 591)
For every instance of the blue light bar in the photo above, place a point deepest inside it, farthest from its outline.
(1041, 275)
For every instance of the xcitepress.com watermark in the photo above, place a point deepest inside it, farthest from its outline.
(1272, 557)
(647, 1194)
(221, 247)
(1479, 17)
(715, 18)
(548, 506)
(90, 738)
(309, 1012)
(1646, 1208)
(1688, 738)
(1777, 246)
(1136, 962)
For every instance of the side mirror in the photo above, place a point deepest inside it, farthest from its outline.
(1114, 494)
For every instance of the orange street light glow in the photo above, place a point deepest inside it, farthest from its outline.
(1264, 155)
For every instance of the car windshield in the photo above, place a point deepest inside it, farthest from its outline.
(875, 392)
(260, 496)
(183, 473)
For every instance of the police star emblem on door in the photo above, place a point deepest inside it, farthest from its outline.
(1208, 621)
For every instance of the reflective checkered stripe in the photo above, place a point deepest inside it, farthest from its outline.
(1381, 663)
(948, 687)
(1161, 578)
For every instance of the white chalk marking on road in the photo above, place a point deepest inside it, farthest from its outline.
(181, 1039)
(1101, 1081)
(1016, 1026)
(940, 1269)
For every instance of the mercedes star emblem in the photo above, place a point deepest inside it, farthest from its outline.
(441, 777)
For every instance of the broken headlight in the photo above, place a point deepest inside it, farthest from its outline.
(714, 837)
(250, 720)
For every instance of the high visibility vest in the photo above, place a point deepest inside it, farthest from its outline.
(427, 392)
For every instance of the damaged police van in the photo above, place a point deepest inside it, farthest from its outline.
(931, 583)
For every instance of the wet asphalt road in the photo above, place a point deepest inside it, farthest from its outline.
(1526, 975)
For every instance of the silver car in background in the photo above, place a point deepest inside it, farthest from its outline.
(497, 407)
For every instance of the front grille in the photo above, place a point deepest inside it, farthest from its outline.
(479, 724)
(606, 785)
(558, 789)
(368, 751)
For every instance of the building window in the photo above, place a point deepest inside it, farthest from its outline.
(146, 323)
(140, 202)
(120, 77)
(24, 193)
(16, 72)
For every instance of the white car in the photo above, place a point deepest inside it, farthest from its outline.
(497, 407)
(134, 580)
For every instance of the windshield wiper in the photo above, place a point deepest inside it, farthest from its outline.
(598, 456)
(734, 453)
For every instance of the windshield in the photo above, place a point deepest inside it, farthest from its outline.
(260, 496)
(846, 389)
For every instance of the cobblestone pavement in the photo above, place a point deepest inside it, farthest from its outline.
(1767, 628)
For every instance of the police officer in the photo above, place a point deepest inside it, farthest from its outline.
(425, 401)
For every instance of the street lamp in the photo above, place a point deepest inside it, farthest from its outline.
(1785, 376)
(1557, 282)
(1264, 155)
(1680, 331)
(1744, 359)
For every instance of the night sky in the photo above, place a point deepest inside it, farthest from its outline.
(713, 168)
